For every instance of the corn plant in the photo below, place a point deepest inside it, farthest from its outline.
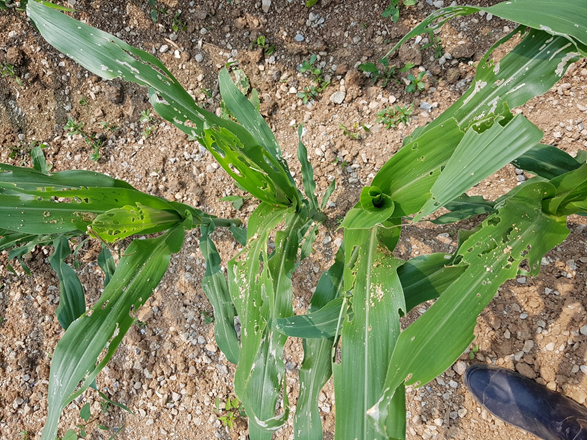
(359, 300)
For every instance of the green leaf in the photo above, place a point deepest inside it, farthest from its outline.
(106, 263)
(119, 223)
(464, 207)
(518, 232)
(260, 372)
(426, 277)
(369, 67)
(546, 161)
(317, 325)
(76, 356)
(85, 412)
(316, 367)
(239, 234)
(70, 435)
(571, 193)
(39, 162)
(369, 338)
(216, 289)
(112, 402)
(237, 201)
(327, 195)
(307, 171)
(409, 175)
(479, 155)
(72, 302)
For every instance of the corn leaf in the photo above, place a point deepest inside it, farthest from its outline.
(76, 356)
(546, 161)
(216, 289)
(519, 231)
(479, 155)
(571, 193)
(106, 263)
(464, 207)
(260, 373)
(316, 367)
(307, 171)
(369, 338)
(72, 303)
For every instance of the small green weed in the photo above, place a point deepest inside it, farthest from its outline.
(391, 117)
(24, 435)
(106, 126)
(318, 80)
(261, 42)
(417, 83)
(8, 71)
(147, 118)
(341, 162)
(435, 44)
(72, 127)
(178, 25)
(385, 73)
(156, 11)
(208, 319)
(473, 352)
(355, 131)
(393, 9)
(237, 201)
(83, 100)
(231, 411)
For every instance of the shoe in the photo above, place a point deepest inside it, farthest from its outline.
(521, 402)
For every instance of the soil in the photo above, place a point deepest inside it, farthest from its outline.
(168, 370)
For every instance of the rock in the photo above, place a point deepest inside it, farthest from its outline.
(525, 370)
(466, 50)
(584, 330)
(265, 5)
(342, 69)
(453, 75)
(200, 13)
(14, 56)
(114, 92)
(299, 37)
(460, 367)
(199, 57)
(337, 97)
(410, 54)
(164, 48)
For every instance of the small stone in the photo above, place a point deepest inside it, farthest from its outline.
(521, 280)
(137, 385)
(175, 396)
(164, 48)
(199, 57)
(210, 348)
(583, 330)
(528, 346)
(265, 5)
(453, 384)
(583, 368)
(438, 422)
(299, 37)
(507, 334)
(549, 347)
(319, 152)
(327, 239)
(438, 3)
(462, 412)
(557, 134)
(525, 370)
(337, 97)
(523, 315)
(426, 106)
(460, 367)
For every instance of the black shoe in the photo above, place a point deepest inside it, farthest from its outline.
(526, 404)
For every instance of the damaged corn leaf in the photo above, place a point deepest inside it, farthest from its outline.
(72, 302)
(479, 155)
(316, 367)
(216, 289)
(369, 338)
(546, 161)
(259, 376)
(519, 234)
(75, 365)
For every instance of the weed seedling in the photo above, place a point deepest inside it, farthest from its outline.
(73, 128)
(83, 101)
(232, 410)
(147, 118)
(208, 319)
(435, 44)
(391, 117)
(318, 80)
(261, 42)
(393, 9)
(355, 131)
(473, 352)
(8, 71)
(155, 11)
(385, 73)
(178, 25)
(417, 83)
